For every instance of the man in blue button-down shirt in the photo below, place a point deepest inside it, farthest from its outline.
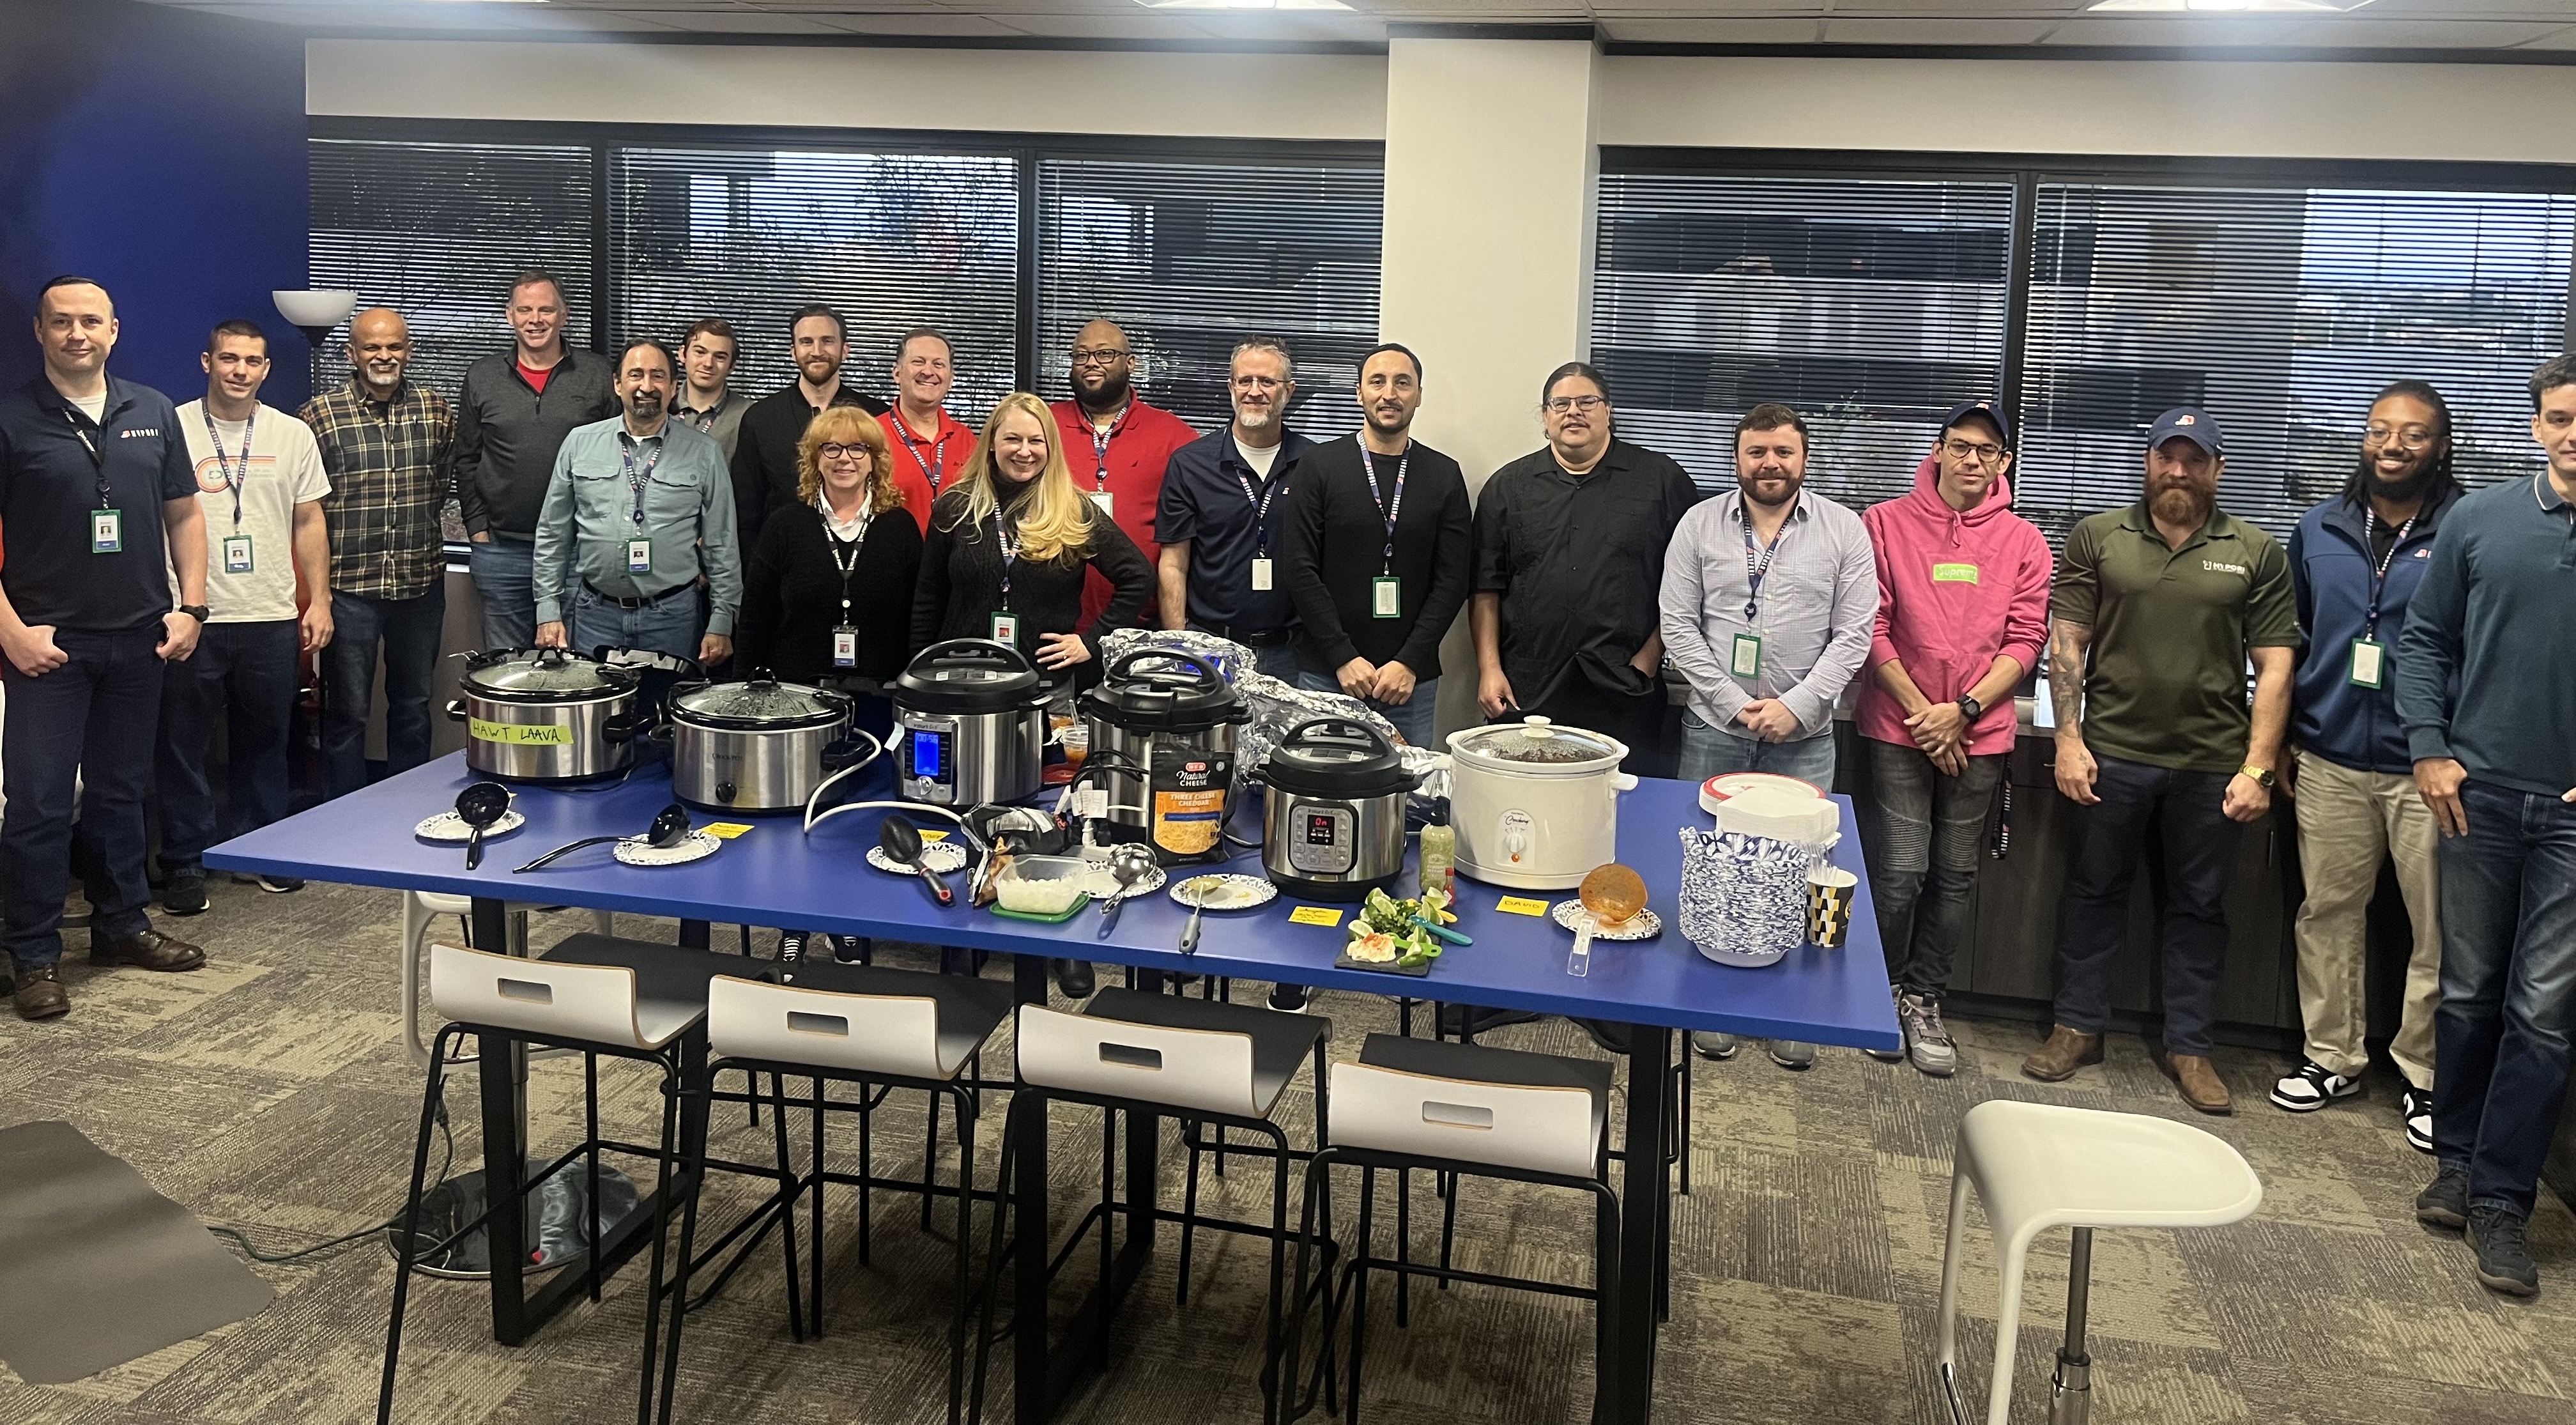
(638, 508)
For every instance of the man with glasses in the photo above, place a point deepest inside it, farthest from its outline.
(930, 445)
(638, 509)
(707, 403)
(1223, 517)
(764, 455)
(1117, 445)
(1570, 546)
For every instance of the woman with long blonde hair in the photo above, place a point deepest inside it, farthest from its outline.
(1010, 546)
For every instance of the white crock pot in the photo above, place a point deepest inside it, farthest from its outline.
(1536, 805)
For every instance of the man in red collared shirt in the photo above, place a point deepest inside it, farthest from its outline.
(1116, 445)
(930, 446)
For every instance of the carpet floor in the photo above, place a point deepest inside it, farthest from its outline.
(271, 1092)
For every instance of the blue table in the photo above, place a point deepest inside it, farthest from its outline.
(774, 875)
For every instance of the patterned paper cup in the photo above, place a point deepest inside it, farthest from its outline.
(1829, 905)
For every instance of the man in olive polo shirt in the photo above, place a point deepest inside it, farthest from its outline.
(2157, 610)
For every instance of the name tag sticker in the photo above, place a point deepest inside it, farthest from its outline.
(725, 830)
(845, 647)
(1954, 573)
(2369, 663)
(1386, 597)
(1521, 905)
(106, 531)
(1107, 500)
(1747, 659)
(1006, 629)
(520, 734)
(639, 556)
(1261, 576)
(1314, 915)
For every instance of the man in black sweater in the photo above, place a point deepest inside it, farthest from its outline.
(1380, 554)
(764, 453)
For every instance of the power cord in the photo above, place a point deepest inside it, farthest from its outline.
(447, 1161)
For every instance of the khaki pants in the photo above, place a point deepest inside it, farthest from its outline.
(2348, 820)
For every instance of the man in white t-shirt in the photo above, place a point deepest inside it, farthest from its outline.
(260, 484)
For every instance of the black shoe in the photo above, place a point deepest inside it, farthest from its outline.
(2310, 1087)
(2417, 1109)
(146, 949)
(185, 893)
(39, 994)
(852, 949)
(2446, 1202)
(280, 885)
(1288, 999)
(1458, 1021)
(791, 946)
(2504, 1255)
(1075, 979)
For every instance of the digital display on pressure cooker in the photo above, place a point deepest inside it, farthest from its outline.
(925, 756)
(1321, 828)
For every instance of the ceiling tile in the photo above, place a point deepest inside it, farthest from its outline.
(1140, 25)
(1723, 32)
(1937, 32)
(734, 21)
(2177, 30)
(969, 26)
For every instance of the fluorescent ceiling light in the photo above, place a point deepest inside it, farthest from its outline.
(1243, 4)
(2228, 7)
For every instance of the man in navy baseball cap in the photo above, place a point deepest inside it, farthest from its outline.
(1986, 411)
(2188, 423)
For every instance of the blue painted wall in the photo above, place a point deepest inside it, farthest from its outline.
(162, 153)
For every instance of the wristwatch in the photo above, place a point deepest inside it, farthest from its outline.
(196, 611)
(2262, 775)
(1970, 708)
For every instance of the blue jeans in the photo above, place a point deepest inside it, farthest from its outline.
(670, 626)
(97, 713)
(244, 673)
(408, 630)
(505, 576)
(1413, 718)
(2508, 988)
(2183, 808)
(1713, 752)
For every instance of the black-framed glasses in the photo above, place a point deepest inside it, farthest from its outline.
(834, 450)
(1559, 405)
(1984, 450)
(1098, 355)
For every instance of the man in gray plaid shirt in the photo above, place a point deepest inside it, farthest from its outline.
(385, 443)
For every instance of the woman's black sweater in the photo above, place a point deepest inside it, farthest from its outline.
(791, 596)
(961, 582)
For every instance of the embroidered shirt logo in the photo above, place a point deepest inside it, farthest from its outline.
(2214, 567)
(145, 433)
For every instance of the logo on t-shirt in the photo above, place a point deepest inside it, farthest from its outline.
(145, 433)
(2214, 567)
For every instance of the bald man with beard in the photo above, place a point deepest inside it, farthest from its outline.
(1117, 446)
(385, 444)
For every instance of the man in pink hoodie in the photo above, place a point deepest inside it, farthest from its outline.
(1962, 616)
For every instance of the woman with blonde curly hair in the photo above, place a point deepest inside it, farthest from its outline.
(829, 590)
(1011, 544)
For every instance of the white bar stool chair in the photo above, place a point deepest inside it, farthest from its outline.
(421, 910)
(2038, 1166)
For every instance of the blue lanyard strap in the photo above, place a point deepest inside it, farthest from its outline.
(637, 479)
(1387, 509)
(1755, 572)
(2379, 574)
(938, 453)
(232, 481)
(1261, 510)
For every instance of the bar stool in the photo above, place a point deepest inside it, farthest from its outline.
(1130, 1051)
(1467, 1111)
(421, 910)
(880, 1029)
(2038, 1166)
(594, 995)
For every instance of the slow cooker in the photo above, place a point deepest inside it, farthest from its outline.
(1332, 816)
(549, 715)
(970, 725)
(753, 746)
(1162, 729)
(1536, 805)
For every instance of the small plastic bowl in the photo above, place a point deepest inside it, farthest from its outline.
(1042, 885)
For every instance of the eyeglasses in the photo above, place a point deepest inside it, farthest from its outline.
(2409, 438)
(1559, 405)
(1986, 451)
(1257, 383)
(834, 450)
(1098, 355)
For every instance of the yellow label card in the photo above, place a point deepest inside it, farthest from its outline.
(725, 830)
(1314, 915)
(1521, 905)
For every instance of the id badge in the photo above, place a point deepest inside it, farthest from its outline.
(106, 531)
(1747, 661)
(845, 647)
(1386, 597)
(639, 556)
(1107, 500)
(2369, 663)
(1006, 629)
(237, 554)
(1261, 575)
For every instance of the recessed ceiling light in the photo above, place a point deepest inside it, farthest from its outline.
(2226, 7)
(1243, 4)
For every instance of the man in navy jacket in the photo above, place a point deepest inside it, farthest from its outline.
(2355, 561)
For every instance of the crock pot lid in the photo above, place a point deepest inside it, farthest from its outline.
(547, 673)
(1337, 757)
(1152, 690)
(1537, 744)
(761, 703)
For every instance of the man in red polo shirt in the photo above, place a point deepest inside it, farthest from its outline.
(1116, 445)
(930, 447)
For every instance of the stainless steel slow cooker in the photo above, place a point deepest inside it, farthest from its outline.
(549, 715)
(1162, 738)
(970, 725)
(1536, 805)
(753, 746)
(1332, 816)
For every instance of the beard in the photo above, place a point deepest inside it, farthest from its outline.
(1112, 390)
(1385, 424)
(1257, 420)
(2401, 491)
(818, 369)
(645, 405)
(2183, 505)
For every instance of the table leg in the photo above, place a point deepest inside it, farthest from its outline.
(1033, 1403)
(699, 935)
(1628, 1378)
(503, 1075)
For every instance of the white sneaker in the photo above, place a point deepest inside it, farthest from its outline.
(1791, 1053)
(2310, 1087)
(2418, 1110)
(1715, 1044)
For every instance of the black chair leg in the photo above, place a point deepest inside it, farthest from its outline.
(929, 1162)
(661, 1228)
(1189, 1205)
(693, 1156)
(1359, 1273)
(965, 1258)
(787, 1195)
(409, 1242)
(590, 1125)
(814, 1289)
(867, 1167)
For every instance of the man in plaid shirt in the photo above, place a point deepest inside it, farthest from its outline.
(385, 443)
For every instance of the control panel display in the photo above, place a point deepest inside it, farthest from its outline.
(926, 749)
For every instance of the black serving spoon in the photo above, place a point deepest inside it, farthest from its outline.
(479, 806)
(670, 828)
(903, 846)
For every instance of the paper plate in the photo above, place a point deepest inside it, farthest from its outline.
(1644, 925)
(946, 858)
(1103, 885)
(636, 851)
(1719, 788)
(1231, 892)
(448, 826)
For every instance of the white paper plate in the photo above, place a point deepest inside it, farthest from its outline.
(1644, 925)
(448, 826)
(945, 857)
(636, 851)
(1103, 885)
(1233, 892)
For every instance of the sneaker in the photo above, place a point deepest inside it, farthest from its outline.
(2310, 1087)
(791, 946)
(1927, 1039)
(1713, 1044)
(1288, 999)
(1791, 1053)
(2446, 1202)
(2417, 1108)
(1889, 1056)
(280, 885)
(185, 894)
(2504, 1253)
(852, 950)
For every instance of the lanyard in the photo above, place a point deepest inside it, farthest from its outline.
(1387, 510)
(2379, 575)
(1100, 446)
(637, 479)
(833, 545)
(106, 497)
(938, 453)
(1261, 511)
(1754, 572)
(705, 420)
(232, 481)
(1010, 554)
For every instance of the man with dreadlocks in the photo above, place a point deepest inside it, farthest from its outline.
(2354, 562)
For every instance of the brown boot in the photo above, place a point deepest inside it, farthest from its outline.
(149, 949)
(39, 994)
(2066, 1051)
(2201, 1086)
